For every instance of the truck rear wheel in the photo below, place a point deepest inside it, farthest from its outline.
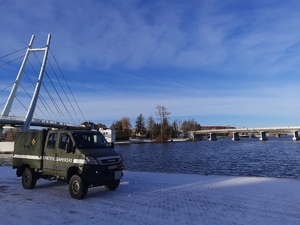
(113, 185)
(78, 188)
(29, 178)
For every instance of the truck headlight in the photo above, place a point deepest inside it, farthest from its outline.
(91, 160)
(121, 166)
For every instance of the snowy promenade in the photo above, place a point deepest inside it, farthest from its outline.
(154, 198)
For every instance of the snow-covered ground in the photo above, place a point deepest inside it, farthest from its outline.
(154, 198)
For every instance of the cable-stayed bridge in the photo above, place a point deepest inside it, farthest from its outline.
(34, 90)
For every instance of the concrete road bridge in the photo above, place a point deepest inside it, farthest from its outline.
(249, 132)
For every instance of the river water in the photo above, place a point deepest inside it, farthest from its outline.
(276, 157)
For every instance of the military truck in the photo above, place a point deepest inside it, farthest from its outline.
(82, 158)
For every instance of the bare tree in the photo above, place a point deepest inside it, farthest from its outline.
(162, 113)
(125, 121)
(150, 126)
(190, 125)
(123, 128)
(176, 126)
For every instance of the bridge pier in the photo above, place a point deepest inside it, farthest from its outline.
(194, 136)
(198, 137)
(296, 137)
(235, 136)
(263, 136)
(212, 137)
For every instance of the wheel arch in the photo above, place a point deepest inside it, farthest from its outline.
(71, 171)
(20, 169)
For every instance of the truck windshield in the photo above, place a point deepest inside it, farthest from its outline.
(90, 140)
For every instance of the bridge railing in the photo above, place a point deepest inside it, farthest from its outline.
(43, 121)
(34, 121)
(12, 118)
(269, 129)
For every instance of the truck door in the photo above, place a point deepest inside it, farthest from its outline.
(64, 158)
(49, 158)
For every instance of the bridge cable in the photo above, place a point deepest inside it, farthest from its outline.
(58, 96)
(63, 91)
(47, 105)
(52, 99)
(14, 115)
(49, 95)
(11, 61)
(13, 53)
(18, 99)
(41, 97)
(55, 90)
(2, 57)
(25, 90)
(47, 91)
(6, 87)
(21, 103)
(67, 85)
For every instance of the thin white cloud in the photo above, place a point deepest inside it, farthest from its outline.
(261, 102)
(108, 34)
(202, 57)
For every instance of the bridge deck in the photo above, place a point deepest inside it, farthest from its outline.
(249, 130)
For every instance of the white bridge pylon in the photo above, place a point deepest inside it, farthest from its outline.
(9, 102)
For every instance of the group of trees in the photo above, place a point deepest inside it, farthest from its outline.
(160, 130)
(149, 128)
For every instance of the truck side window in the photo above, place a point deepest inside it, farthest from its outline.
(63, 140)
(51, 140)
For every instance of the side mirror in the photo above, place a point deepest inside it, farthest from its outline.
(112, 145)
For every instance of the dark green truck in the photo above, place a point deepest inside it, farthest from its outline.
(82, 158)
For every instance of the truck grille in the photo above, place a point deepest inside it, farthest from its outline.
(108, 161)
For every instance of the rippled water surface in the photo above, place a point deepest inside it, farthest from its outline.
(276, 157)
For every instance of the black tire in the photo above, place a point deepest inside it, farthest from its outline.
(113, 185)
(29, 179)
(78, 188)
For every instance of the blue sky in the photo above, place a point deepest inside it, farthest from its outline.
(231, 62)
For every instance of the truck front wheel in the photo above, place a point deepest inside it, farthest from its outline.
(29, 178)
(113, 185)
(78, 188)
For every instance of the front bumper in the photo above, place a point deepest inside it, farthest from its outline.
(97, 175)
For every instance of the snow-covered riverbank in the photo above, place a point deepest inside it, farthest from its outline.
(154, 198)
